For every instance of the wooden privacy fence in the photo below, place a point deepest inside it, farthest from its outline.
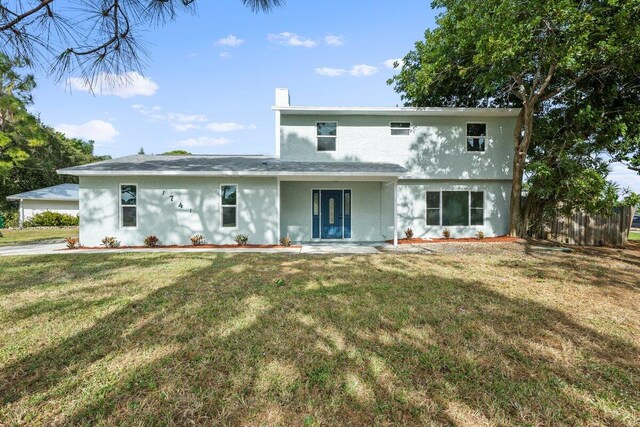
(593, 230)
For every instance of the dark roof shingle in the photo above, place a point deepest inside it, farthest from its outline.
(251, 165)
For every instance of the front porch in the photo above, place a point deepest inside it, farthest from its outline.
(338, 211)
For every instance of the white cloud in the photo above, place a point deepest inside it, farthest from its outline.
(202, 141)
(390, 62)
(224, 54)
(97, 130)
(185, 122)
(224, 127)
(331, 72)
(625, 177)
(291, 39)
(230, 41)
(363, 70)
(178, 121)
(360, 70)
(125, 85)
(332, 40)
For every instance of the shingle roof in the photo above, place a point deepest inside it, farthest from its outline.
(57, 192)
(236, 165)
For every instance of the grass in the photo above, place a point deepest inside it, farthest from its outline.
(32, 235)
(634, 235)
(494, 336)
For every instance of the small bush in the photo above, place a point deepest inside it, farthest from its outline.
(151, 241)
(11, 219)
(72, 242)
(408, 233)
(110, 242)
(446, 233)
(480, 235)
(241, 239)
(51, 219)
(285, 241)
(197, 240)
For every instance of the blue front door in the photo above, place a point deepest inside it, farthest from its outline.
(331, 214)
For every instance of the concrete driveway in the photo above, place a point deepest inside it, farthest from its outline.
(326, 248)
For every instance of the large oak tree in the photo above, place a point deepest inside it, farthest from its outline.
(529, 54)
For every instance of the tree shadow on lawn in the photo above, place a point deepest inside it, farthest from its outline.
(327, 340)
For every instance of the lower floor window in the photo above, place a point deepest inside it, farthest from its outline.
(455, 208)
(229, 204)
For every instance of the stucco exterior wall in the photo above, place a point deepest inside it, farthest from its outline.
(435, 149)
(412, 207)
(158, 215)
(32, 207)
(371, 209)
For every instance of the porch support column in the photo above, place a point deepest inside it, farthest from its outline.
(21, 215)
(279, 209)
(395, 213)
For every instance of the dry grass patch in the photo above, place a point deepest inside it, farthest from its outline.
(36, 235)
(466, 338)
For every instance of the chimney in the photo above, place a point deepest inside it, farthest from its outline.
(282, 97)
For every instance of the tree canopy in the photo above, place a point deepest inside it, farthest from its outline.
(30, 151)
(89, 36)
(573, 68)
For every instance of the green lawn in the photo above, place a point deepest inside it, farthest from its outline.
(634, 235)
(30, 235)
(493, 337)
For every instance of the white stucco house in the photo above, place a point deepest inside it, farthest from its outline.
(339, 173)
(61, 198)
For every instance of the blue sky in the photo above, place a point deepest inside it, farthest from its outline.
(208, 86)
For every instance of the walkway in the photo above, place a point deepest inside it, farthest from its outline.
(333, 248)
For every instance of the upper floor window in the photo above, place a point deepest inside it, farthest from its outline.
(400, 128)
(476, 136)
(128, 205)
(327, 135)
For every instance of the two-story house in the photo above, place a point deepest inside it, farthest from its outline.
(339, 173)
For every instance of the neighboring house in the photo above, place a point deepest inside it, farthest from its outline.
(339, 173)
(61, 198)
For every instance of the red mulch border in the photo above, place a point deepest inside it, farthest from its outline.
(497, 239)
(205, 246)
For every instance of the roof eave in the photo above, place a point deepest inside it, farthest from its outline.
(400, 111)
(226, 173)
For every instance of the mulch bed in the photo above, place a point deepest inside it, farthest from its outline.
(194, 247)
(498, 239)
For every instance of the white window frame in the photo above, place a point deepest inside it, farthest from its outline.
(237, 205)
(441, 190)
(397, 128)
(120, 205)
(466, 138)
(325, 136)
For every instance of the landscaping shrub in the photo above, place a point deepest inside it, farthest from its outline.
(151, 241)
(241, 239)
(110, 242)
(285, 241)
(72, 242)
(11, 219)
(446, 233)
(480, 235)
(51, 219)
(197, 240)
(408, 233)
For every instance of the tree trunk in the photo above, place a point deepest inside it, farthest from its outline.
(522, 139)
